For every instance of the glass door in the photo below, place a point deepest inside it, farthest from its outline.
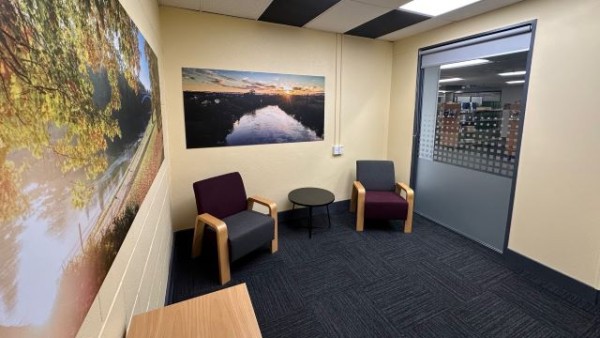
(471, 100)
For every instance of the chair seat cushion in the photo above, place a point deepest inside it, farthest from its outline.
(248, 230)
(385, 205)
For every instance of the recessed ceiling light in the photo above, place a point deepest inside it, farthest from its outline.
(520, 72)
(452, 79)
(435, 7)
(515, 81)
(467, 63)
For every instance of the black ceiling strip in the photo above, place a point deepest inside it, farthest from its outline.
(295, 12)
(387, 23)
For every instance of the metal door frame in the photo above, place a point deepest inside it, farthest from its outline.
(417, 113)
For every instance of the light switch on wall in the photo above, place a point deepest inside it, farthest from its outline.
(337, 149)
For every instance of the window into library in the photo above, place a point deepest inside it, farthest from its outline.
(478, 113)
(469, 122)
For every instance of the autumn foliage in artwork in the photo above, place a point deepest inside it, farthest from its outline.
(80, 145)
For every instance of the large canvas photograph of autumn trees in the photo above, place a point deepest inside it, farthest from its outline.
(80, 145)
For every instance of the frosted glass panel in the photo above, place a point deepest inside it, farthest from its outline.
(472, 203)
(428, 112)
(469, 133)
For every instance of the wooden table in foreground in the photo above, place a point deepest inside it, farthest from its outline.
(224, 313)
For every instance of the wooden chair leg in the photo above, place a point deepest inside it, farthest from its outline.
(410, 198)
(274, 246)
(223, 254)
(408, 223)
(275, 241)
(359, 194)
(220, 229)
(360, 216)
(353, 200)
(272, 206)
(198, 237)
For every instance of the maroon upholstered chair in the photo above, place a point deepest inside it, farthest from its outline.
(223, 207)
(377, 195)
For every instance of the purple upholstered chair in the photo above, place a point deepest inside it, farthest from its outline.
(377, 195)
(223, 207)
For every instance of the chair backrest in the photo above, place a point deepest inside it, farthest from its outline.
(221, 196)
(376, 175)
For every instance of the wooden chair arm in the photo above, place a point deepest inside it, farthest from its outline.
(272, 206)
(222, 242)
(358, 193)
(401, 186)
(358, 187)
(410, 198)
(358, 197)
(216, 224)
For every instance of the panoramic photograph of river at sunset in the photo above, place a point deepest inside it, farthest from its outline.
(81, 142)
(231, 108)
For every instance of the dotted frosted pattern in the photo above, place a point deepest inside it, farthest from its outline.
(427, 138)
(483, 139)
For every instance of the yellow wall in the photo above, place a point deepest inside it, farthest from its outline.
(201, 40)
(137, 280)
(555, 219)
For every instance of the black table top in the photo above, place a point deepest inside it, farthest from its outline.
(311, 197)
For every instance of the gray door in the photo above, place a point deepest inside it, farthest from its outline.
(471, 99)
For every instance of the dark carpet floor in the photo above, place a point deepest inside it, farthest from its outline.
(384, 283)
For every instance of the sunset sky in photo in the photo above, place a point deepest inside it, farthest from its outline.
(228, 81)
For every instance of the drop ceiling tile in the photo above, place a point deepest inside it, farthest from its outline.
(187, 4)
(477, 8)
(420, 27)
(345, 15)
(295, 12)
(356, 17)
(445, 19)
(387, 23)
(249, 9)
(389, 4)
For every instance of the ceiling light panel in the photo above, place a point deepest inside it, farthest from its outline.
(389, 4)
(435, 7)
(520, 72)
(452, 79)
(354, 13)
(467, 63)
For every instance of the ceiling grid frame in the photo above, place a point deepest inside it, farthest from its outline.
(377, 19)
